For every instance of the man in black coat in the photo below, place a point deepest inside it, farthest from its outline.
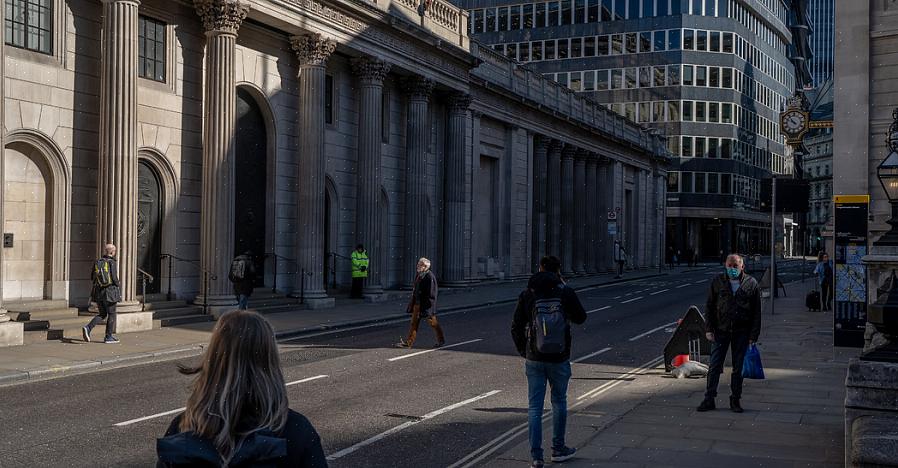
(542, 368)
(423, 303)
(106, 292)
(733, 320)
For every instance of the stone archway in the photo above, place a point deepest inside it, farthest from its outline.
(157, 196)
(37, 216)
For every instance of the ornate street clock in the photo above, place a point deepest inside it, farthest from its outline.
(794, 121)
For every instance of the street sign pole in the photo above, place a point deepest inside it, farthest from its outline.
(772, 281)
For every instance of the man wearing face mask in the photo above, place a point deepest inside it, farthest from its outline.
(732, 320)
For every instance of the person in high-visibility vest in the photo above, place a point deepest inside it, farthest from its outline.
(359, 270)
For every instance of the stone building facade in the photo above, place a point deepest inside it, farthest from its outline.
(186, 132)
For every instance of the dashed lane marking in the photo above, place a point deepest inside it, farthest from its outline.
(643, 335)
(406, 356)
(631, 300)
(597, 310)
(591, 355)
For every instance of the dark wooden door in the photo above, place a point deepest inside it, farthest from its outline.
(149, 225)
(252, 188)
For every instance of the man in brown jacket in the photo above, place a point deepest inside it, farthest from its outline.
(423, 304)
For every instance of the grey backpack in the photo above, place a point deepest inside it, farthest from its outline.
(549, 326)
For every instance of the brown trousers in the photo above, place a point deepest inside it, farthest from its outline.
(416, 321)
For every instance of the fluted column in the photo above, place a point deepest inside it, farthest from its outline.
(579, 251)
(540, 179)
(592, 213)
(567, 209)
(371, 73)
(419, 90)
(553, 198)
(455, 190)
(312, 51)
(221, 20)
(117, 174)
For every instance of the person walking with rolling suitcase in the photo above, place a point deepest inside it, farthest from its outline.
(824, 271)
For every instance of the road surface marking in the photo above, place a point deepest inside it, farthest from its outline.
(643, 335)
(609, 385)
(631, 300)
(604, 350)
(617, 297)
(306, 380)
(389, 432)
(597, 310)
(492, 446)
(683, 285)
(658, 292)
(434, 349)
(174, 411)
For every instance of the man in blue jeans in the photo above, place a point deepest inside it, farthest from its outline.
(554, 368)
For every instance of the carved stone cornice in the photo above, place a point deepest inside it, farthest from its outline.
(459, 102)
(223, 16)
(370, 69)
(418, 87)
(313, 49)
(592, 159)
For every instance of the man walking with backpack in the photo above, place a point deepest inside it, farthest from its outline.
(542, 335)
(106, 292)
(243, 276)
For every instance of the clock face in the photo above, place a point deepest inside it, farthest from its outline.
(794, 122)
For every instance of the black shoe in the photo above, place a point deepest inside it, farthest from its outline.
(735, 406)
(439, 345)
(707, 405)
(563, 454)
(537, 463)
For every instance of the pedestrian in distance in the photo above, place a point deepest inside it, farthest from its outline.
(423, 304)
(237, 414)
(243, 276)
(542, 335)
(620, 258)
(671, 256)
(678, 257)
(732, 321)
(359, 259)
(106, 292)
(824, 271)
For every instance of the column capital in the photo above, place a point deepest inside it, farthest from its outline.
(221, 16)
(581, 154)
(541, 142)
(313, 49)
(418, 87)
(592, 159)
(459, 102)
(370, 69)
(569, 151)
(555, 146)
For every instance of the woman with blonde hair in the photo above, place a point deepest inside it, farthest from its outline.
(237, 413)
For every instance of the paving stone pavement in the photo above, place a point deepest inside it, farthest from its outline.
(793, 418)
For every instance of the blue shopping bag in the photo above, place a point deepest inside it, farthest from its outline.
(751, 365)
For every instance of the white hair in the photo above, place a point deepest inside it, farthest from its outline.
(737, 258)
(425, 261)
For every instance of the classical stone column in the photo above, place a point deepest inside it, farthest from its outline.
(455, 192)
(540, 179)
(312, 52)
(417, 130)
(579, 251)
(371, 73)
(117, 172)
(221, 20)
(567, 209)
(553, 199)
(592, 213)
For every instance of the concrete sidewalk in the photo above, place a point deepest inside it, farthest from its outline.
(53, 359)
(794, 418)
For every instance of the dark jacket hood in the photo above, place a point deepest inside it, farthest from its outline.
(188, 449)
(543, 282)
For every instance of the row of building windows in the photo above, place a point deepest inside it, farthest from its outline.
(750, 21)
(565, 12)
(643, 42)
(689, 146)
(713, 183)
(28, 24)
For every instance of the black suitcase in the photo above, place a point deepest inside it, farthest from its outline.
(812, 301)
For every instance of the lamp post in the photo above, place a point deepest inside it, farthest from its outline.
(887, 173)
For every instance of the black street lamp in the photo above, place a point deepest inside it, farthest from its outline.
(887, 173)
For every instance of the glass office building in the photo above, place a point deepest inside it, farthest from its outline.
(713, 75)
(820, 13)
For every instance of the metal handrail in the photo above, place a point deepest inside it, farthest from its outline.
(206, 277)
(276, 256)
(144, 276)
(334, 256)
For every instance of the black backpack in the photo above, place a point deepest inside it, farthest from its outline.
(238, 270)
(102, 274)
(549, 326)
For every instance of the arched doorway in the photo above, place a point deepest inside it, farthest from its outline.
(149, 224)
(331, 209)
(251, 174)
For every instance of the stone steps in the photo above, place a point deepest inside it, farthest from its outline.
(35, 305)
(43, 314)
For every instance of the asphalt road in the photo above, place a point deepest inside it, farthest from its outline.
(373, 405)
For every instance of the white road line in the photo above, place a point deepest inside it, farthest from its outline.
(492, 446)
(683, 285)
(621, 379)
(631, 300)
(597, 310)
(406, 356)
(174, 411)
(604, 350)
(387, 433)
(295, 382)
(643, 335)
(617, 297)
(658, 292)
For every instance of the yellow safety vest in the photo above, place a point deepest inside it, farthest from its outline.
(359, 264)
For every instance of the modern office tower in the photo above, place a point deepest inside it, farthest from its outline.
(712, 75)
(821, 14)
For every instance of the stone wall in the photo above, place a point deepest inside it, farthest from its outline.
(24, 212)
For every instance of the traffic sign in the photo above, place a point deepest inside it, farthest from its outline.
(612, 216)
(612, 228)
